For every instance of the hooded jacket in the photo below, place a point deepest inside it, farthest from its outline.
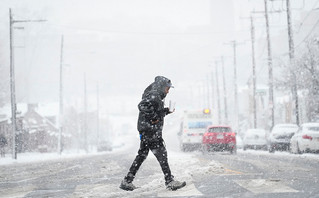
(151, 108)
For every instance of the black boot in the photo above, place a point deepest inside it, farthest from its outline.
(127, 185)
(174, 185)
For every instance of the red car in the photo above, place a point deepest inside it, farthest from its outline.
(219, 138)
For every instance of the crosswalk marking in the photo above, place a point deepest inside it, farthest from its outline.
(16, 192)
(264, 186)
(188, 190)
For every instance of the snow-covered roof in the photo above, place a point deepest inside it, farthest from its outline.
(6, 109)
(45, 109)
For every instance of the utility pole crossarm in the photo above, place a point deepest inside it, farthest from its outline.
(27, 21)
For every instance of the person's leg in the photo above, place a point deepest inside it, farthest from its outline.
(139, 159)
(159, 150)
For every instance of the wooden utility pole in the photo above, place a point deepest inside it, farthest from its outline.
(254, 70)
(235, 87)
(217, 91)
(97, 115)
(61, 100)
(12, 88)
(85, 127)
(213, 91)
(208, 92)
(270, 69)
(292, 61)
(225, 93)
(12, 82)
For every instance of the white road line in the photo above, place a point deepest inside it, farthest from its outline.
(264, 186)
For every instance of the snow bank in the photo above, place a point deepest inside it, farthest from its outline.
(40, 157)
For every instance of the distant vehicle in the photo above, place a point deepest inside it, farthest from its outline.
(43, 148)
(255, 139)
(219, 138)
(104, 146)
(193, 126)
(280, 135)
(306, 139)
(239, 142)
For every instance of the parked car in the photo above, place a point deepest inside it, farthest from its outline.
(306, 139)
(43, 148)
(219, 138)
(104, 146)
(255, 139)
(280, 135)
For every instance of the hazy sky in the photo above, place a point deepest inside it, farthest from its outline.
(124, 44)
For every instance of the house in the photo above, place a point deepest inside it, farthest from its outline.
(43, 134)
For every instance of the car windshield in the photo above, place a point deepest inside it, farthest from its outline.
(198, 125)
(313, 128)
(219, 129)
(287, 127)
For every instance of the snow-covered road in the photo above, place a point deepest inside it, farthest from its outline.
(247, 174)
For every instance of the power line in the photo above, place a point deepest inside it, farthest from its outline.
(313, 28)
(301, 24)
(145, 33)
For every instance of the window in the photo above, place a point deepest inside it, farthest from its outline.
(198, 125)
(219, 129)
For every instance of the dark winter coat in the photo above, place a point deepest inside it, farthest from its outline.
(151, 108)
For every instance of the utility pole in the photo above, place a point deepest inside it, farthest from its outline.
(12, 81)
(61, 100)
(225, 93)
(292, 61)
(12, 88)
(213, 90)
(270, 72)
(235, 87)
(218, 95)
(97, 115)
(85, 128)
(254, 70)
(208, 91)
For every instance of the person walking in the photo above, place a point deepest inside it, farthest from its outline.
(150, 125)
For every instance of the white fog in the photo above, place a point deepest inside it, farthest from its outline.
(241, 75)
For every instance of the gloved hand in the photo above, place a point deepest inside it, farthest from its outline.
(167, 111)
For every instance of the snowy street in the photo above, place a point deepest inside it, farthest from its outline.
(247, 174)
(159, 98)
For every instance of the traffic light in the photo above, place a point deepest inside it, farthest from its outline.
(206, 111)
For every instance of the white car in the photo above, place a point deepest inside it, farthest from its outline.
(255, 139)
(306, 139)
(280, 135)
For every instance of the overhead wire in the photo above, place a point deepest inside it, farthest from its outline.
(301, 24)
(313, 28)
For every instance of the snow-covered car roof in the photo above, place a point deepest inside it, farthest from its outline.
(256, 131)
(284, 128)
(285, 125)
(313, 127)
(310, 124)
